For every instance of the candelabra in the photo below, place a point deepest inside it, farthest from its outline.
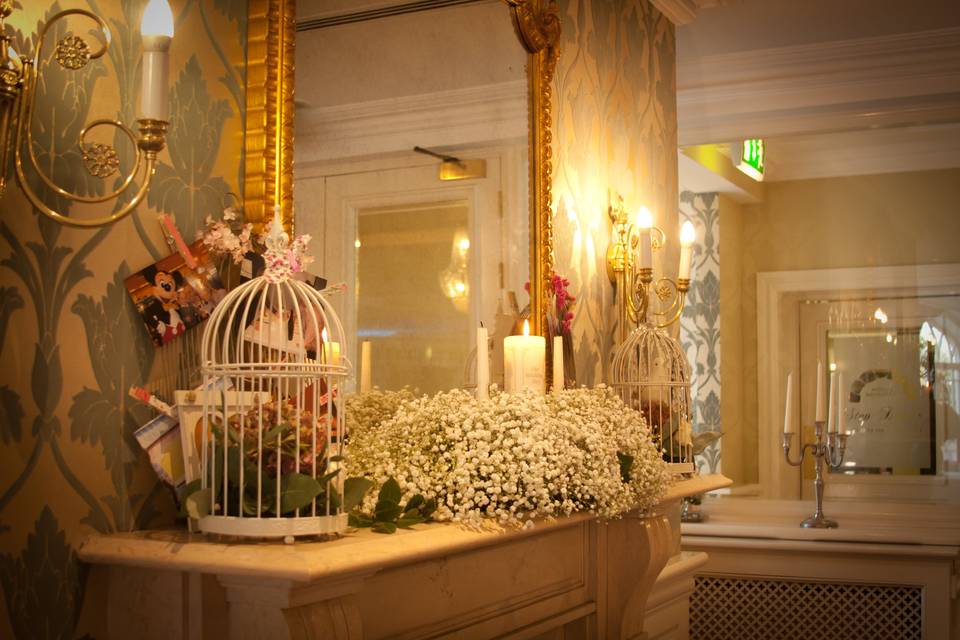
(635, 282)
(831, 450)
(19, 78)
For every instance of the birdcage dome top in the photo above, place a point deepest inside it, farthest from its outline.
(650, 355)
(265, 326)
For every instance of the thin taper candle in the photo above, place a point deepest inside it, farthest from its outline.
(841, 405)
(832, 404)
(483, 364)
(557, 363)
(788, 425)
(821, 409)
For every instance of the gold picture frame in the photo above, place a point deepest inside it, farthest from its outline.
(268, 144)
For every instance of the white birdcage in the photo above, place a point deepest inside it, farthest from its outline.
(651, 374)
(273, 419)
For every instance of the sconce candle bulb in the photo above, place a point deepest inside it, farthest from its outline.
(157, 31)
(645, 224)
(687, 236)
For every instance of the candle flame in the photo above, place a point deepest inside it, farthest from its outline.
(157, 19)
(687, 234)
(526, 327)
(323, 334)
(644, 219)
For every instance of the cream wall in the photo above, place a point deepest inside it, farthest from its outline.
(889, 219)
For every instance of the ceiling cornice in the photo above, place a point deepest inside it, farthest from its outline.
(903, 79)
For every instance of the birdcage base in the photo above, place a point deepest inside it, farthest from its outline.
(273, 527)
(680, 468)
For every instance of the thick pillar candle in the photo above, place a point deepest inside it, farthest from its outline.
(524, 362)
(331, 350)
(558, 363)
(821, 409)
(788, 425)
(483, 364)
(156, 29)
(365, 372)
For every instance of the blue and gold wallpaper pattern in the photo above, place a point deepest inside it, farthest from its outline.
(70, 342)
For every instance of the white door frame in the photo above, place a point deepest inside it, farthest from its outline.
(775, 325)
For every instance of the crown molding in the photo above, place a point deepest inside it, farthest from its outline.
(472, 116)
(911, 78)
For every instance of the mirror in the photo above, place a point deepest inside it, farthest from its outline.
(421, 164)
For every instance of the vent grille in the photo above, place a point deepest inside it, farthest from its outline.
(725, 608)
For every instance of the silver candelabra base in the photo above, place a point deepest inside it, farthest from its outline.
(829, 449)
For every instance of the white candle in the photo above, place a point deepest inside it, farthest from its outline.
(483, 364)
(687, 235)
(156, 29)
(821, 409)
(645, 223)
(524, 362)
(788, 424)
(558, 363)
(331, 350)
(832, 404)
(365, 366)
(841, 405)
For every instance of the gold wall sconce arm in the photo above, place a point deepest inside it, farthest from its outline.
(19, 78)
(635, 283)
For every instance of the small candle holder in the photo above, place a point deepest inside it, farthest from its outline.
(830, 449)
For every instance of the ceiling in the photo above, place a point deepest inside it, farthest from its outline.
(835, 88)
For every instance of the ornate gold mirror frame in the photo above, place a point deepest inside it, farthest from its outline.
(268, 145)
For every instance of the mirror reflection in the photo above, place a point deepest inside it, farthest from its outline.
(410, 173)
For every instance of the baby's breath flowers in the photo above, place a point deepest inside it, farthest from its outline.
(512, 458)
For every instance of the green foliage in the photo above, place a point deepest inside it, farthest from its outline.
(388, 514)
(626, 464)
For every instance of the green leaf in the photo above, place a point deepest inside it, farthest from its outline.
(626, 464)
(386, 511)
(188, 489)
(409, 520)
(390, 491)
(385, 527)
(428, 508)
(414, 503)
(271, 434)
(359, 520)
(703, 440)
(353, 491)
(297, 491)
(198, 503)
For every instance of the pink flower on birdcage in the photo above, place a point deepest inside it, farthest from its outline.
(223, 239)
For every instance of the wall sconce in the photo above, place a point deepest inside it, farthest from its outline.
(19, 77)
(630, 268)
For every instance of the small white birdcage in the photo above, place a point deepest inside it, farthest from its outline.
(273, 420)
(651, 374)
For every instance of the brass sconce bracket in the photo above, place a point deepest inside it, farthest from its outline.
(19, 78)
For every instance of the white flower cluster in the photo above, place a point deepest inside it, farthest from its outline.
(369, 410)
(512, 458)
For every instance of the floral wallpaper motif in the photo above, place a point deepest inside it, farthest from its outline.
(700, 323)
(615, 121)
(70, 341)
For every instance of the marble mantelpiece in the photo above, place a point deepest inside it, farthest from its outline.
(571, 577)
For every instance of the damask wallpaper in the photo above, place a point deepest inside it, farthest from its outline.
(70, 342)
(700, 323)
(615, 128)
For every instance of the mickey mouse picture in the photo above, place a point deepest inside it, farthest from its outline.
(172, 298)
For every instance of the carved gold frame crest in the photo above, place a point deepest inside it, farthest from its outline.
(268, 144)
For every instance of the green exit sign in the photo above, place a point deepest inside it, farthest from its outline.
(752, 158)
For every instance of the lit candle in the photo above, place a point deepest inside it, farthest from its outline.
(483, 364)
(156, 30)
(832, 404)
(645, 223)
(788, 424)
(821, 409)
(558, 363)
(331, 350)
(687, 235)
(524, 362)
(365, 366)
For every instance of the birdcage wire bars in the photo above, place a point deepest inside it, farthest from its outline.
(273, 419)
(651, 374)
